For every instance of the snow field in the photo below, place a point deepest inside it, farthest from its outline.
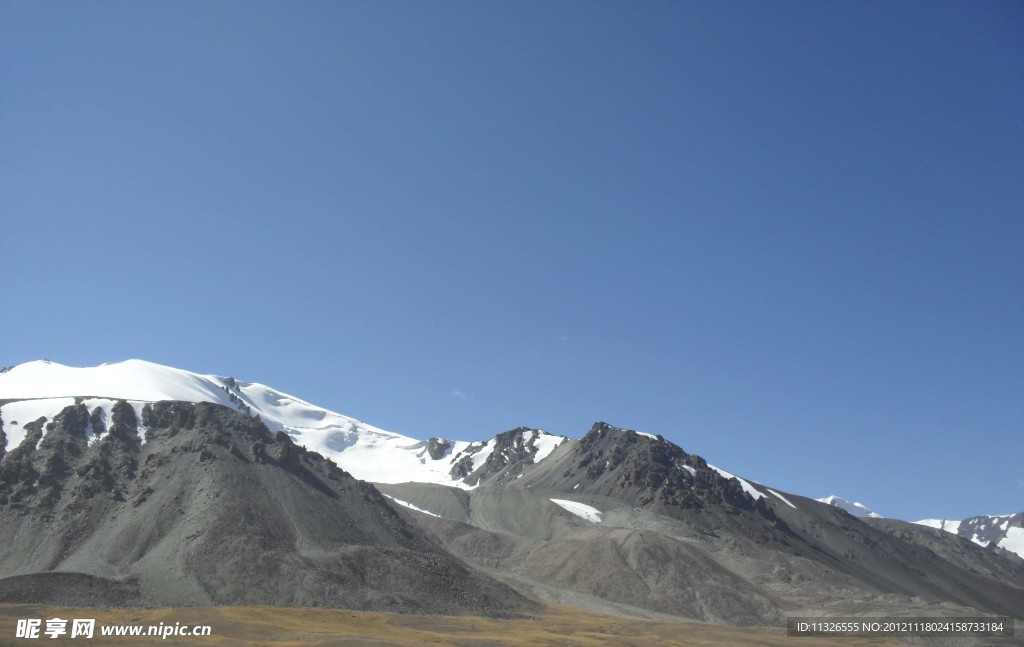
(581, 510)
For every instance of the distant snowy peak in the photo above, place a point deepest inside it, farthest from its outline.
(42, 389)
(941, 524)
(1002, 530)
(854, 508)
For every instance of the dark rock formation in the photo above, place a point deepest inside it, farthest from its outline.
(648, 472)
(438, 448)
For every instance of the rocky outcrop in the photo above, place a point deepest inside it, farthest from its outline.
(18, 474)
(438, 448)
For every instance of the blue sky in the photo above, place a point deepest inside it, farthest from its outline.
(786, 236)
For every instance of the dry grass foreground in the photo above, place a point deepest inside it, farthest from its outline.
(290, 627)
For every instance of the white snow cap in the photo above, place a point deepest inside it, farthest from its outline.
(44, 388)
(133, 379)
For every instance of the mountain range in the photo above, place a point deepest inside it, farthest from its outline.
(139, 484)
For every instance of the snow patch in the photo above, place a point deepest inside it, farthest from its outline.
(480, 457)
(1013, 541)
(28, 411)
(545, 443)
(104, 418)
(143, 429)
(782, 498)
(406, 504)
(581, 510)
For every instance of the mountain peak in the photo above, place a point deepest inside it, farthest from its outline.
(854, 508)
(603, 429)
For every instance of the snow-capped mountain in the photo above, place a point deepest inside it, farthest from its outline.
(43, 388)
(161, 464)
(854, 508)
(1003, 530)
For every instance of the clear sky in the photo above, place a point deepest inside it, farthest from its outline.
(787, 236)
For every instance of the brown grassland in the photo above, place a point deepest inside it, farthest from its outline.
(291, 627)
